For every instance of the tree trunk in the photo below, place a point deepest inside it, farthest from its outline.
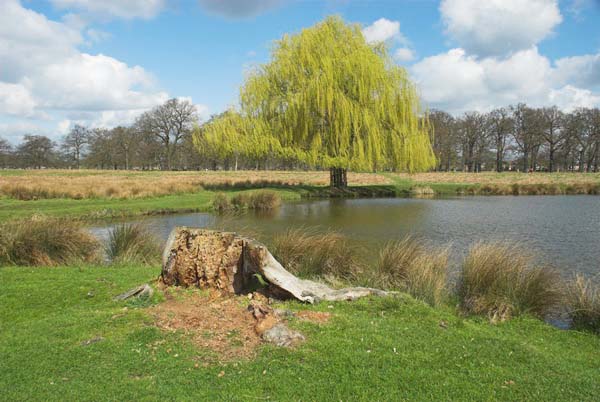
(338, 178)
(232, 264)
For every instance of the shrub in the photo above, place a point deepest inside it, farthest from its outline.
(221, 203)
(264, 200)
(306, 252)
(241, 201)
(132, 243)
(44, 241)
(422, 191)
(500, 280)
(407, 265)
(583, 300)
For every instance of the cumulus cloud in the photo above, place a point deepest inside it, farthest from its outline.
(458, 82)
(579, 70)
(404, 55)
(127, 9)
(238, 8)
(499, 27)
(44, 75)
(383, 30)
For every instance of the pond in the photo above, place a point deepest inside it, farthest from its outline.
(563, 231)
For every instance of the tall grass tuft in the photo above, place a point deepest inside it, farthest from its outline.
(309, 253)
(500, 280)
(132, 243)
(264, 200)
(409, 266)
(221, 203)
(583, 300)
(41, 241)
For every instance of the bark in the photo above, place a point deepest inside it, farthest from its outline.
(338, 177)
(233, 264)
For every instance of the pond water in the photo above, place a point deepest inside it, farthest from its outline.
(563, 231)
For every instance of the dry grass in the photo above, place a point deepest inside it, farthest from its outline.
(500, 280)
(39, 184)
(264, 200)
(129, 243)
(46, 242)
(505, 178)
(583, 297)
(309, 253)
(409, 266)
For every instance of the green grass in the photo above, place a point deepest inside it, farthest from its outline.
(106, 208)
(46, 314)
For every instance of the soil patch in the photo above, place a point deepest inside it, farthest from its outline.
(220, 325)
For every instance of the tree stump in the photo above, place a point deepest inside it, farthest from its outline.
(230, 263)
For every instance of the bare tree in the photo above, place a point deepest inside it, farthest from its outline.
(473, 133)
(169, 123)
(5, 153)
(75, 142)
(553, 133)
(36, 151)
(526, 133)
(444, 138)
(500, 125)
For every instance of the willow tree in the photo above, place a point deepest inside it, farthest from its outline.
(332, 100)
(231, 136)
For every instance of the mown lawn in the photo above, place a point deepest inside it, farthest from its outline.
(371, 350)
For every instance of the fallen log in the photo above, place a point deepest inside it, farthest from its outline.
(231, 263)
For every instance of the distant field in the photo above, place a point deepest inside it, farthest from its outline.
(83, 184)
(80, 184)
(93, 194)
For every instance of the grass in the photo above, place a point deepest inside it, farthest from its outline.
(262, 200)
(584, 304)
(309, 253)
(500, 280)
(132, 243)
(46, 241)
(409, 266)
(375, 349)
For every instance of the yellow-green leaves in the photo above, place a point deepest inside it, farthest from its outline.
(328, 99)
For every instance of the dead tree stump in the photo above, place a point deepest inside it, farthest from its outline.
(230, 263)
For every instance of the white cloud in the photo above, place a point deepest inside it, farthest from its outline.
(127, 9)
(43, 74)
(499, 27)
(456, 81)
(238, 8)
(15, 99)
(579, 70)
(404, 55)
(383, 30)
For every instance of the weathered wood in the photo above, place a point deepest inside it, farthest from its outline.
(229, 262)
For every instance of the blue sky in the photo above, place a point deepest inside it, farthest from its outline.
(103, 62)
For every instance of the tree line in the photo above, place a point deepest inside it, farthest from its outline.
(518, 138)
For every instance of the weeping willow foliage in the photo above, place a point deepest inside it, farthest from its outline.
(329, 99)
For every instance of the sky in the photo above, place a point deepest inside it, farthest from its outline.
(102, 63)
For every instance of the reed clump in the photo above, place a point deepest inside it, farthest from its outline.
(309, 253)
(583, 300)
(500, 280)
(258, 200)
(42, 241)
(408, 265)
(132, 243)
(221, 203)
